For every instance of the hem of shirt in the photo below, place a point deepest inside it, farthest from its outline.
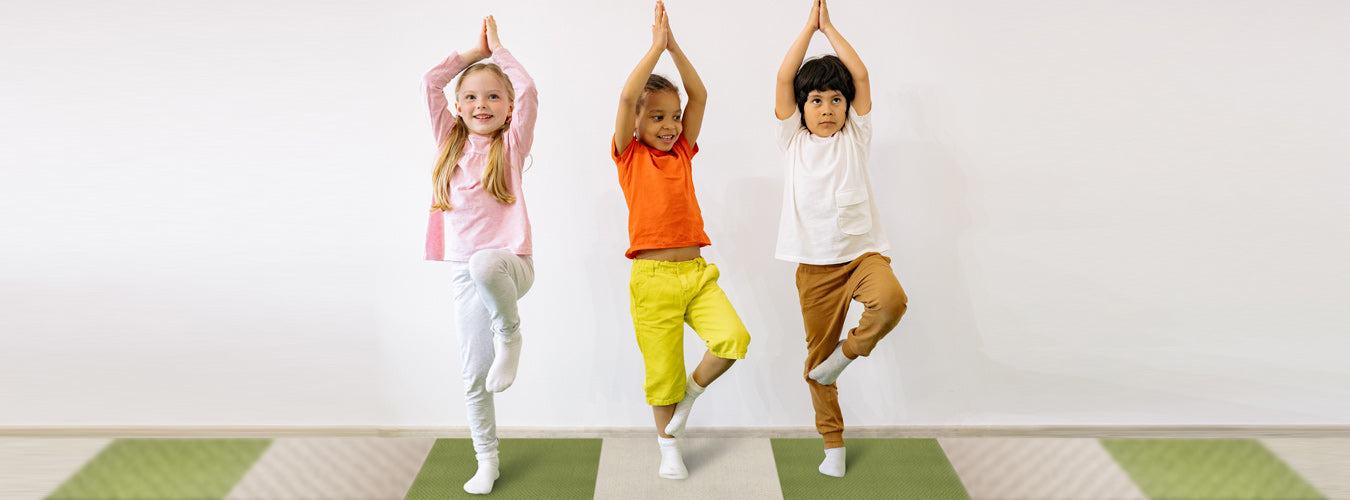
(456, 258)
(831, 261)
(632, 251)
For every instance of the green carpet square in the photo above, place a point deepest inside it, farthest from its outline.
(163, 469)
(876, 468)
(1205, 469)
(530, 469)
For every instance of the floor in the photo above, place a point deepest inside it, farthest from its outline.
(625, 468)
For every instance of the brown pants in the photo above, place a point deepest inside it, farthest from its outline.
(826, 292)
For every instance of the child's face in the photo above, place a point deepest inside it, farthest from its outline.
(483, 103)
(824, 112)
(658, 121)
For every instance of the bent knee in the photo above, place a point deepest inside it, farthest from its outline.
(732, 347)
(484, 263)
(892, 309)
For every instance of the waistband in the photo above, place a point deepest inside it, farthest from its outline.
(669, 267)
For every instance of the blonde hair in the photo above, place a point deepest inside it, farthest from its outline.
(494, 176)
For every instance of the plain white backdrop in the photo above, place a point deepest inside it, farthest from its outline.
(1104, 213)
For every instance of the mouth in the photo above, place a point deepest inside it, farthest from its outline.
(666, 138)
(482, 117)
(827, 124)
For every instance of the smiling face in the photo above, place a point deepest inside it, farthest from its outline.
(658, 121)
(824, 112)
(482, 100)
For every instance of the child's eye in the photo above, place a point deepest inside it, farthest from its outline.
(676, 118)
(836, 100)
(815, 101)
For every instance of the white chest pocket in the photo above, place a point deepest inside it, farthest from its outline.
(854, 213)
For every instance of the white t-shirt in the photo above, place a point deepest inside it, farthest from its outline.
(829, 213)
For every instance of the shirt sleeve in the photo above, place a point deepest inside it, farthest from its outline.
(787, 128)
(527, 100)
(862, 126)
(433, 89)
(683, 147)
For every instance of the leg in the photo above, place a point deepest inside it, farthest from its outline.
(714, 319)
(475, 346)
(873, 284)
(658, 309)
(501, 279)
(824, 303)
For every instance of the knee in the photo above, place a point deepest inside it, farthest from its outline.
(890, 311)
(475, 386)
(485, 263)
(732, 347)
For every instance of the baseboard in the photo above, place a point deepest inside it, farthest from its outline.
(1042, 431)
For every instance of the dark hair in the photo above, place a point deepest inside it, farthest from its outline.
(822, 73)
(655, 83)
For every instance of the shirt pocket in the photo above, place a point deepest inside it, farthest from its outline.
(854, 213)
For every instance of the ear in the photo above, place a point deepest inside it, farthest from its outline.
(456, 107)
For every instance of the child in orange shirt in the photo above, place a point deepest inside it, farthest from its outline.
(670, 283)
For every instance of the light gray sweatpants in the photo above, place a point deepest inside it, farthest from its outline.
(486, 289)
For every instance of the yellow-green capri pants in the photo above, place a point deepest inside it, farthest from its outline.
(665, 296)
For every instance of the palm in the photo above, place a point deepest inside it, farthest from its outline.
(492, 41)
(483, 40)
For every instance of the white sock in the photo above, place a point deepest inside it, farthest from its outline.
(834, 462)
(505, 358)
(681, 417)
(481, 483)
(672, 464)
(828, 370)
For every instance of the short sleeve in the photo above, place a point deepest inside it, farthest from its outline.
(862, 126)
(787, 128)
(682, 147)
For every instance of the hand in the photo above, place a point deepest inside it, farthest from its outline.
(825, 17)
(490, 31)
(660, 29)
(670, 37)
(480, 50)
(813, 22)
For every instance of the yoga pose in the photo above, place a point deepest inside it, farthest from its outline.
(476, 190)
(670, 284)
(830, 225)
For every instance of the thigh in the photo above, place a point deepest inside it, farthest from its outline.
(873, 283)
(658, 322)
(472, 321)
(714, 319)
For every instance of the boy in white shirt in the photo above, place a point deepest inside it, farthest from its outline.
(830, 224)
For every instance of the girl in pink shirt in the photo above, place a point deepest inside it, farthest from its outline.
(476, 189)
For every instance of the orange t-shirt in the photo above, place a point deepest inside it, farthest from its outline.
(659, 187)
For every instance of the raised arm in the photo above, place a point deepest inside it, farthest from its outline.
(785, 100)
(434, 82)
(692, 119)
(524, 109)
(862, 90)
(626, 121)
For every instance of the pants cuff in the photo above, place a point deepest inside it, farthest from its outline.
(833, 439)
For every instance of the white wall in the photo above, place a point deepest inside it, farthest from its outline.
(1116, 212)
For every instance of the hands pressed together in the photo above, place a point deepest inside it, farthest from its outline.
(487, 42)
(662, 39)
(819, 18)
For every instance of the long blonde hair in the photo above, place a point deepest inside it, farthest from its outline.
(494, 176)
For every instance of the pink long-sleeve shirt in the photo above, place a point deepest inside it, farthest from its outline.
(477, 220)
